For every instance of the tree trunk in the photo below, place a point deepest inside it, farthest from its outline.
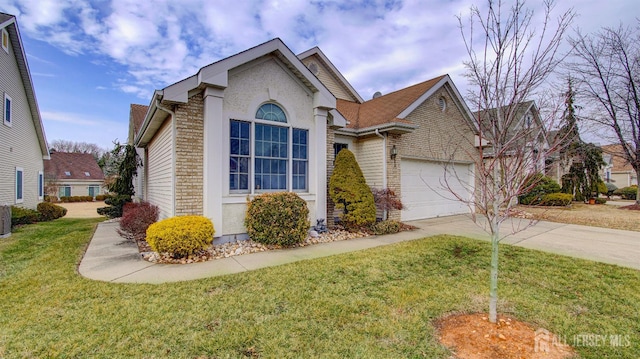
(638, 192)
(493, 285)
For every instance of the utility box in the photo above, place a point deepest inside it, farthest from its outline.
(5, 221)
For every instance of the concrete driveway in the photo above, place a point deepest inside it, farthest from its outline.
(599, 244)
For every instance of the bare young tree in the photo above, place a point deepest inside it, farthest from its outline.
(606, 67)
(509, 61)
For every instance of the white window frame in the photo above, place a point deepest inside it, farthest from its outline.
(19, 185)
(252, 158)
(61, 189)
(40, 185)
(5, 40)
(7, 121)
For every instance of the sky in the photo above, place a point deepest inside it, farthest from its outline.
(89, 60)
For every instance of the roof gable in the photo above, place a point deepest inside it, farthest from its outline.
(216, 75)
(73, 166)
(137, 114)
(393, 108)
(618, 162)
(334, 76)
(9, 23)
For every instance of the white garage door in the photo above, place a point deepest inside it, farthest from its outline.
(424, 191)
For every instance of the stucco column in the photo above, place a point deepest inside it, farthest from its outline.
(213, 157)
(320, 118)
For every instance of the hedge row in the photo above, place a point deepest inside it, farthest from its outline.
(46, 212)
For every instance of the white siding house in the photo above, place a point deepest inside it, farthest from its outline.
(23, 145)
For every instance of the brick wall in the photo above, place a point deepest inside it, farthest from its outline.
(393, 172)
(330, 205)
(441, 134)
(189, 156)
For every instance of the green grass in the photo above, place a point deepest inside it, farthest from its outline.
(379, 303)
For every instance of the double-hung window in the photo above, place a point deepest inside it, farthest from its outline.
(40, 185)
(268, 154)
(19, 185)
(7, 113)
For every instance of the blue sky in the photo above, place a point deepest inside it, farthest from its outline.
(90, 59)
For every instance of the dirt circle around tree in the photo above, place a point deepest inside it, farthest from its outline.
(472, 336)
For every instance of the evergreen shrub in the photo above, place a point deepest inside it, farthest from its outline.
(627, 192)
(21, 215)
(349, 191)
(386, 227)
(180, 236)
(279, 218)
(538, 185)
(115, 205)
(49, 211)
(556, 199)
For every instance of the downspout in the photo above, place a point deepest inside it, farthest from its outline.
(384, 165)
(173, 152)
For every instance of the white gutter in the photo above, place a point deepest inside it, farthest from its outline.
(384, 165)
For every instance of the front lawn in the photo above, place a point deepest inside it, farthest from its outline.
(378, 303)
(601, 215)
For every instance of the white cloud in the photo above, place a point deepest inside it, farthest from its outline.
(379, 45)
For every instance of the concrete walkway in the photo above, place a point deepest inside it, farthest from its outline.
(112, 259)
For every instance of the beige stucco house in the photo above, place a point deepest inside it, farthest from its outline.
(268, 120)
(617, 170)
(23, 144)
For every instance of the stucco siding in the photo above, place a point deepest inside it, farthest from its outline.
(370, 156)
(331, 82)
(19, 146)
(160, 170)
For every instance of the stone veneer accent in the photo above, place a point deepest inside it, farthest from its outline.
(393, 172)
(330, 206)
(189, 147)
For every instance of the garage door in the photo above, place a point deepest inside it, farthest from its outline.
(424, 191)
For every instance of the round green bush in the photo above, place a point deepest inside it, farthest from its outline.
(350, 192)
(536, 186)
(49, 211)
(279, 218)
(180, 236)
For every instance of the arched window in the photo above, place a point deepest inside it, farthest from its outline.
(271, 112)
(278, 159)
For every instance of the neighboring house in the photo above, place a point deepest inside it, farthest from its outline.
(23, 144)
(267, 120)
(618, 170)
(137, 114)
(531, 142)
(73, 174)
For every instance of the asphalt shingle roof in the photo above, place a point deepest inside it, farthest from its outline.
(77, 165)
(383, 109)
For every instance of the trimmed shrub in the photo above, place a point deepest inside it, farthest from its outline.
(610, 188)
(20, 215)
(279, 218)
(386, 227)
(349, 191)
(538, 185)
(601, 200)
(114, 210)
(136, 218)
(556, 199)
(101, 197)
(49, 211)
(180, 236)
(627, 192)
